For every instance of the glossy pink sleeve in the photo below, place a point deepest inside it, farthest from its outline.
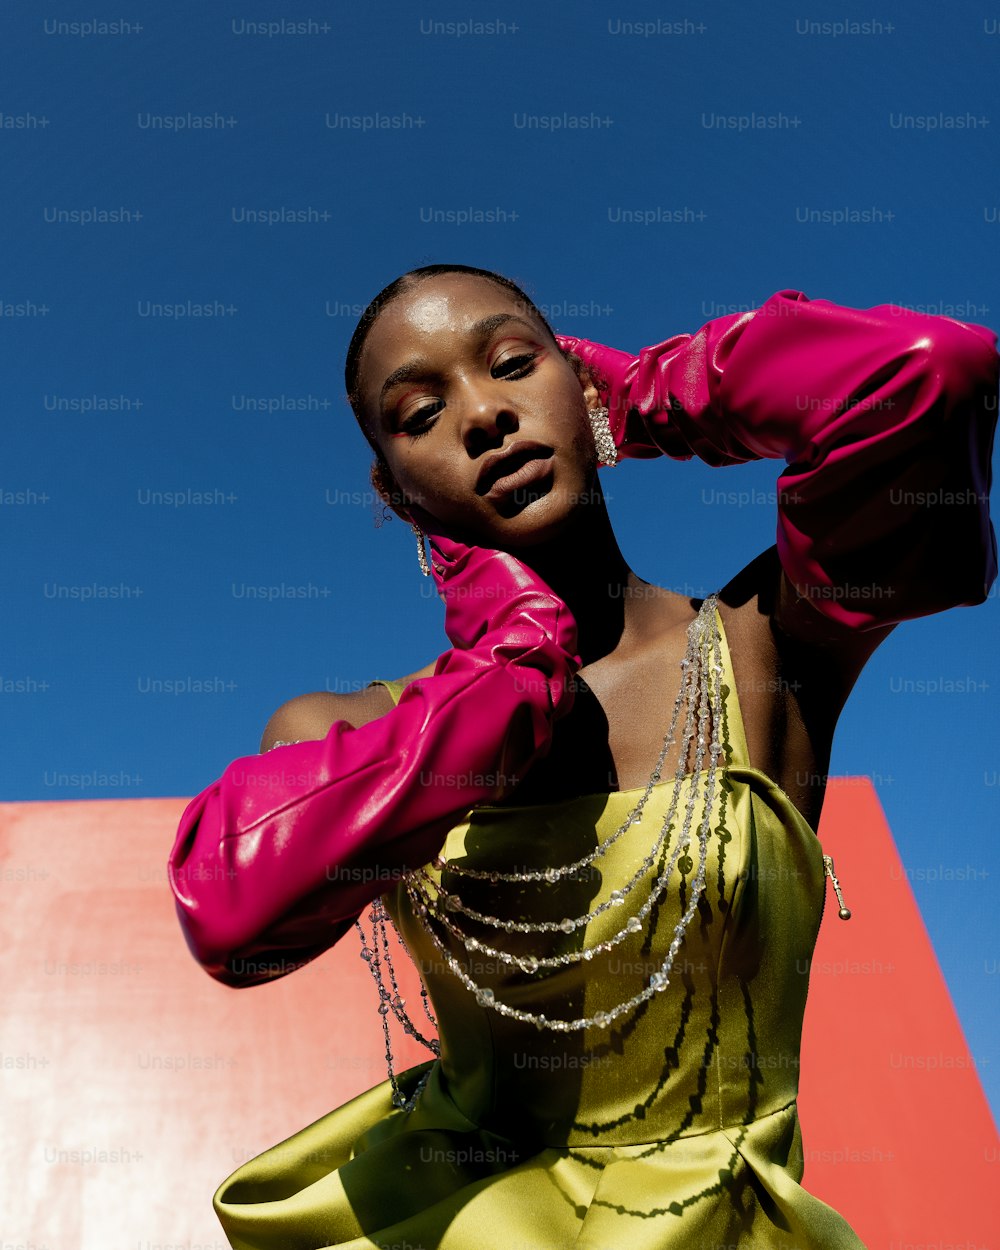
(885, 417)
(273, 862)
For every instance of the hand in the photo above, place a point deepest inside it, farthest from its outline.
(612, 372)
(483, 586)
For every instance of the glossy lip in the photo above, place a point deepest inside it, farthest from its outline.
(518, 455)
(531, 471)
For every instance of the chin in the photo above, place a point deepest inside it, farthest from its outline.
(539, 518)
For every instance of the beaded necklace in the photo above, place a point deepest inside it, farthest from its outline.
(432, 903)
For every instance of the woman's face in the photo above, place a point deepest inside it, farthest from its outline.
(456, 373)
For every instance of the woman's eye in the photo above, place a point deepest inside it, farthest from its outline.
(416, 423)
(514, 366)
(420, 421)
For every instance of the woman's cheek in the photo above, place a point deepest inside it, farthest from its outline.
(432, 487)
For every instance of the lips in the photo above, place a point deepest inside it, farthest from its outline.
(504, 463)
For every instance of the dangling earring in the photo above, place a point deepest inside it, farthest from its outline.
(425, 568)
(391, 496)
(607, 452)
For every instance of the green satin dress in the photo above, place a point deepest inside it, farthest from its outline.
(675, 1128)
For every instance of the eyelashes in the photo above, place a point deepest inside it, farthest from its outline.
(413, 426)
(512, 369)
(523, 362)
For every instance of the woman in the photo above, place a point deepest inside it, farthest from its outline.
(611, 955)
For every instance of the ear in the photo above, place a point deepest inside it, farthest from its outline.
(591, 392)
(388, 490)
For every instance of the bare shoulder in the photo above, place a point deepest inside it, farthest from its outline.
(310, 715)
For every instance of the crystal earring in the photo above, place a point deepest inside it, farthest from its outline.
(607, 452)
(425, 568)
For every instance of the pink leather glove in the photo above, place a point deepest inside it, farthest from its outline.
(274, 861)
(885, 416)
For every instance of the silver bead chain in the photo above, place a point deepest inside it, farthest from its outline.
(703, 655)
(393, 1000)
(552, 875)
(424, 904)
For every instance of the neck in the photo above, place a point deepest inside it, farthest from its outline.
(584, 566)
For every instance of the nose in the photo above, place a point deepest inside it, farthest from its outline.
(488, 415)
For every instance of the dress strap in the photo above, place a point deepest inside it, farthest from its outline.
(395, 688)
(733, 730)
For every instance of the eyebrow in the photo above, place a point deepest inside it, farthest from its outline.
(478, 333)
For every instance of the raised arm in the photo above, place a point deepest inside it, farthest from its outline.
(885, 417)
(273, 862)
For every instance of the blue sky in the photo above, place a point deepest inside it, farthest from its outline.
(554, 125)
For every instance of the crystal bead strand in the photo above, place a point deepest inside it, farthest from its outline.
(552, 875)
(690, 670)
(397, 1002)
(434, 1044)
(617, 897)
(567, 925)
(423, 903)
(695, 687)
(660, 979)
(392, 1002)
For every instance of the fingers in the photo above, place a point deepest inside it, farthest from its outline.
(566, 342)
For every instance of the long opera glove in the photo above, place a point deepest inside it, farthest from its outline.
(884, 416)
(273, 862)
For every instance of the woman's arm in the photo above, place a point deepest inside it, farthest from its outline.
(311, 715)
(886, 419)
(274, 861)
